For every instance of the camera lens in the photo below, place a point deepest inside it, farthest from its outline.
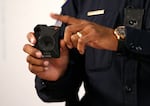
(46, 43)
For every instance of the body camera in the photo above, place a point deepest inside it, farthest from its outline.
(47, 40)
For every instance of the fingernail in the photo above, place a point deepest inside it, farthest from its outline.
(45, 68)
(69, 46)
(38, 54)
(32, 40)
(46, 63)
(81, 51)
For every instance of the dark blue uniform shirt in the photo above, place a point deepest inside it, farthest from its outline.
(110, 78)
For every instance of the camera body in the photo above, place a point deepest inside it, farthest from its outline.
(47, 40)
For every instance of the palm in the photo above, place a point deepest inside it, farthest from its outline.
(56, 67)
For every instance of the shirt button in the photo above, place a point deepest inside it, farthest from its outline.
(138, 48)
(43, 83)
(131, 45)
(128, 89)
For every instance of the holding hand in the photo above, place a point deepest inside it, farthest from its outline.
(46, 68)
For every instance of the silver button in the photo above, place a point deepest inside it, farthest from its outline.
(43, 83)
(139, 48)
(131, 45)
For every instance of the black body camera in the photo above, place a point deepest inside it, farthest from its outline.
(47, 40)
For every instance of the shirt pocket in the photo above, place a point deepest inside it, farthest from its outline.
(98, 60)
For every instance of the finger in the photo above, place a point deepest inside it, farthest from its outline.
(32, 51)
(65, 19)
(74, 40)
(63, 45)
(82, 43)
(63, 48)
(31, 38)
(81, 46)
(38, 62)
(36, 69)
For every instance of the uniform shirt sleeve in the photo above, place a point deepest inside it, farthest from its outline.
(136, 44)
(138, 41)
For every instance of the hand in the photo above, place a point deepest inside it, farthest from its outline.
(93, 35)
(49, 69)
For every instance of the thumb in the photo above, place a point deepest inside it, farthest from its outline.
(31, 38)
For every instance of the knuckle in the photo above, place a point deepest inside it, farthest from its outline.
(67, 18)
(73, 38)
(30, 67)
(68, 28)
(29, 34)
(25, 47)
(90, 26)
(82, 21)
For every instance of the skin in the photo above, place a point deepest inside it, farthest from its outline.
(93, 35)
